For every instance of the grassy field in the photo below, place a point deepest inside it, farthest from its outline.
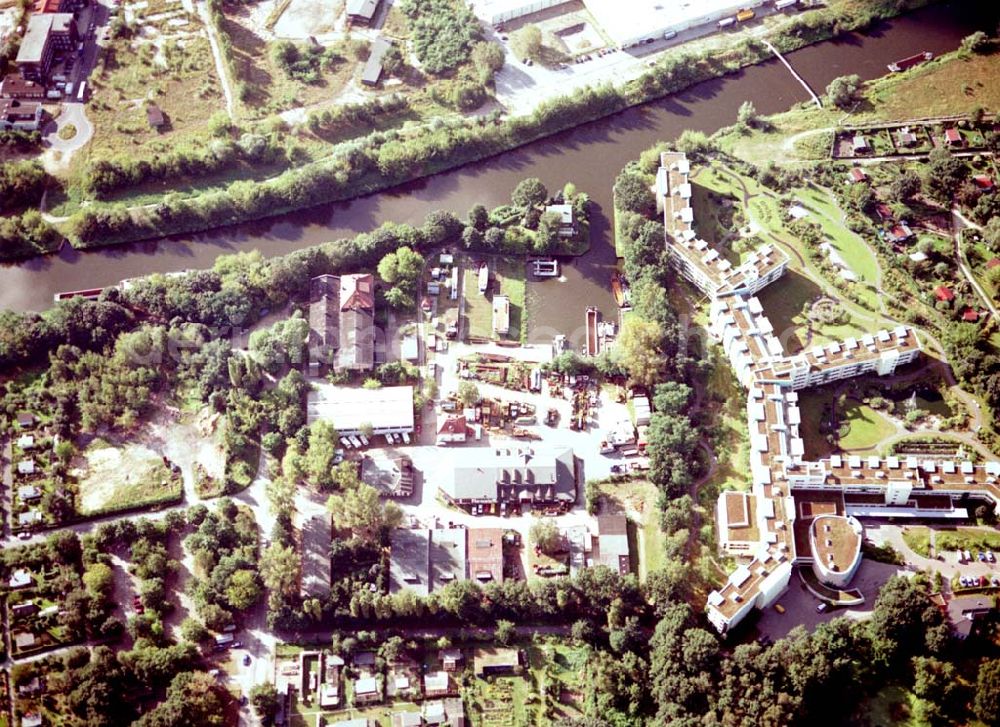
(269, 89)
(507, 277)
(952, 84)
(866, 428)
(968, 539)
(918, 538)
(181, 81)
(123, 477)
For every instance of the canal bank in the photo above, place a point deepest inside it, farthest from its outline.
(591, 154)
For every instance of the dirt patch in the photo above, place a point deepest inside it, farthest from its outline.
(121, 477)
(304, 18)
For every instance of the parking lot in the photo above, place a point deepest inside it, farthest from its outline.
(800, 605)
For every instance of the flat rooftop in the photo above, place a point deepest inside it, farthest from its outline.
(351, 409)
(836, 542)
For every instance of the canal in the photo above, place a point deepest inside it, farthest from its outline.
(589, 156)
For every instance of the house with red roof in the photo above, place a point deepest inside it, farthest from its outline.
(454, 430)
(944, 293)
(952, 137)
(883, 211)
(856, 175)
(899, 233)
(970, 315)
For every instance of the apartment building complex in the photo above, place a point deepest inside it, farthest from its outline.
(797, 512)
(46, 34)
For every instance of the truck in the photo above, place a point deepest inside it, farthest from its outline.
(726, 22)
(784, 4)
(745, 14)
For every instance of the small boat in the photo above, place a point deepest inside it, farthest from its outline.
(593, 341)
(545, 268)
(484, 278)
(910, 61)
(616, 289)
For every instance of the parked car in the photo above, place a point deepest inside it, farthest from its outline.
(822, 607)
(990, 557)
(618, 469)
(996, 582)
(246, 660)
(981, 556)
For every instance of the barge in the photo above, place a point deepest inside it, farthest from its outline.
(910, 61)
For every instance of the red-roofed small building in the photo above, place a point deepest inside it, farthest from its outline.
(983, 181)
(856, 175)
(900, 233)
(970, 315)
(883, 211)
(454, 430)
(953, 137)
(944, 293)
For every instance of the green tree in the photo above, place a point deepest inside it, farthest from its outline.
(361, 511)
(747, 114)
(529, 193)
(193, 630)
(641, 346)
(243, 590)
(505, 632)
(526, 42)
(545, 535)
(468, 393)
(317, 463)
(264, 698)
(488, 58)
(279, 569)
(634, 194)
(977, 42)
(987, 701)
(99, 580)
(844, 90)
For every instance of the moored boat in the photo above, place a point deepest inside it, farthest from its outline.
(484, 278)
(593, 340)
(910, 61)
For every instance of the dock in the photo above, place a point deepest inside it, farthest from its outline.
(796, 76)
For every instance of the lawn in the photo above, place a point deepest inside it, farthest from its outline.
(786, 303)
(973, 539)
(918, 538)
(507, 277)
(122, 477)
(865, 428)
(828, 215)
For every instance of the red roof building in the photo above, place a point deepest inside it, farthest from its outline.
(900, 233)
(453, 430)
(983, 181)
(953, 137)
(970, 315)
(883, 211)
(857, 175)
(944, 293)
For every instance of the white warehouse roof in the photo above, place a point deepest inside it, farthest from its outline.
(629, 22)
(389, 409)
